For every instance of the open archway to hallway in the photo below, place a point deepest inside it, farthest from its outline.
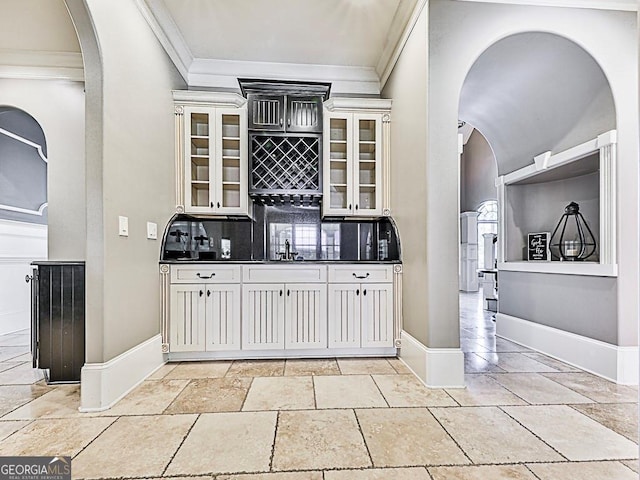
(527, 93)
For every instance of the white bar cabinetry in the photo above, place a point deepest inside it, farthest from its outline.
(278, 310)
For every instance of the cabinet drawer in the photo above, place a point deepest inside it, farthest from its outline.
(284, 273)
(204, 273)
(361, 273)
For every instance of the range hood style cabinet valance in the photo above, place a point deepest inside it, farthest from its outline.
(281, 148)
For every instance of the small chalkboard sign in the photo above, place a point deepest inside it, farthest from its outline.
(538, 247)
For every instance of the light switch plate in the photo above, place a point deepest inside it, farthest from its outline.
(123, 226)
(152, 231)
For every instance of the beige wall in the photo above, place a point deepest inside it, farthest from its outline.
(461, 31)
(130, 173)
(407, 86)
(478, 173)
(58, 106)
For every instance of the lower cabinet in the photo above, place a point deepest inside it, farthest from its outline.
(284, 316)
(204, 317)
(361, 315)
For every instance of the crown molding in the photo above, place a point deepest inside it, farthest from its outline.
(168, 34)
(31, 64)
(624, 5)
(225, 73)
(389, 58)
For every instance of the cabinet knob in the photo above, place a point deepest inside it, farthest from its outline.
(364, 292)
(358, 291)
(280, 292)
(201, 293)
(211, 204)
(349, 206)
(356, 206)
(218, 204)
(209, 293)
(361, 276)
(288, 293)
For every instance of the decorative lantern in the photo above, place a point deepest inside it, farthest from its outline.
(576, 241)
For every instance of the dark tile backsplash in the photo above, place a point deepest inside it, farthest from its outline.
(190, 238)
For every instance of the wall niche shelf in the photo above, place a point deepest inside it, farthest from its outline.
(532, 199)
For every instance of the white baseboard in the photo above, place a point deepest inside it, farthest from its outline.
(103, 384)
(436, 367)
(618, 364)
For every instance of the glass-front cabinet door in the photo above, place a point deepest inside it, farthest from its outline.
(353, 164)
(338, 174)
(199, 160)
(367, 164)
(215, 160)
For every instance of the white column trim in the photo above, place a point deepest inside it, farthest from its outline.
(104, 384)
(435, 367)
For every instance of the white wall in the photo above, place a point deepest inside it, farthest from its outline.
(461, 31)
(20, 244)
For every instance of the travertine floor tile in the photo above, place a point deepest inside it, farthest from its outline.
(407, 436)
(60, 436)
(622, 418)
(133, 447)
(274, 476)
(573, 434)
(280, 393)
(552, 362)
(481, 390)
(23, 374)
(471, 345)
(583, 471)
(488, 435)
(347, 391)
(632, 464)
(408, 391)
(211, 395)
(474, 363)
(399, 366)
(319, 366)
(536, 389)
(226, 443)
(365, 366)
(516, 362)
(12, 396)
(596, 388)
(7, 428)
(504, 345)
(14, 354)
(318, 439)
(256, 368)
(482, 472)
(60, 402)
(150, 398)
(162, 371)
(190, 370)
(413, 473)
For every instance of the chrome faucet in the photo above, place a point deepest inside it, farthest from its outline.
(287, 254)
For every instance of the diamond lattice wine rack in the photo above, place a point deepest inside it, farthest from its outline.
(285, 169)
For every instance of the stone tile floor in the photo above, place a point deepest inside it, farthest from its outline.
(522, 416)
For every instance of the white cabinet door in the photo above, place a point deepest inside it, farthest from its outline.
(377, 315)
(231, 165)
(199, 159)
(338, 164)
(306, 315)
(187, 320)
(222, 317)
(367, 164)
(353, 164)
(262, 316)
(344, 315)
